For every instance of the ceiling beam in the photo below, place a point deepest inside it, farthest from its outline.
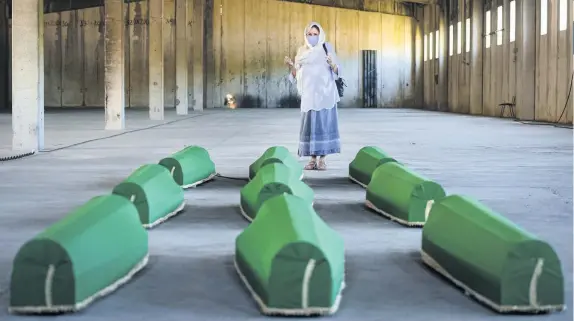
(420, 1)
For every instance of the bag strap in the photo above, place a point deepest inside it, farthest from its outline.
(325, 48)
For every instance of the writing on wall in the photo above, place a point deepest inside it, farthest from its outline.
(128, 22)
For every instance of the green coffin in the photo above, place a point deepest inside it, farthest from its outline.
(401, 194)
(190, 166)
(155, 194)
(91, 252)
(491, 258)
(290, 260)
(271, 180)
(365, 162)
(277, 154)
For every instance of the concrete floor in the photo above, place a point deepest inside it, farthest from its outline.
(522, 171)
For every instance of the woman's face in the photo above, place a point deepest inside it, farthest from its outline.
(313, 36)
(313, 31)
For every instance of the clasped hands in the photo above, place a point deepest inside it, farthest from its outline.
(288, 61)
(329, 59)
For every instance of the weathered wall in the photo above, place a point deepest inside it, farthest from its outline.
(383, 6)
(246, 44)
(501, 62)
(554, 67)
(251, 38)
(74, 55)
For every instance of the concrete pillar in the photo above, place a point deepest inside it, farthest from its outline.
(28, 75)
(114, 60)
(181, 57)
(476, 58)
(156, 103)
(210, 78)
(4, 56)
(199, 52)
(419, 77)
(443, 57)
(526, 73)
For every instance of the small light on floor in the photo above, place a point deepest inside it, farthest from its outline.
(230, 101)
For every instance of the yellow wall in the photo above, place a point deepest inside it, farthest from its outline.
(245, 55)
(74, 55)
(251, 38)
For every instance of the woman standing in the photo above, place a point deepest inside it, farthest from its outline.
(314, 71)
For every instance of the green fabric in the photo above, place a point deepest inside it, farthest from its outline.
(190, 165)
(272, 179)
(156, 193)
(277, 154)
(366, 161)
(91, 248)
(273, 252)
(401, 192)
(490, 254)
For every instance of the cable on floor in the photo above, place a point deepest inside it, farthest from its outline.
(561, 115)
(233, 178)
(14, 157)
(122, 133)
(567, 98)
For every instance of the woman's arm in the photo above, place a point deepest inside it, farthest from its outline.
(292, 74)
(292, 70)
(291, 67)
(332, 59)
(335, 69)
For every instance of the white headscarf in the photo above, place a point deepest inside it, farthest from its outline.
(315, 79)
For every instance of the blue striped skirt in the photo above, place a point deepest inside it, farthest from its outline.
(319, 134)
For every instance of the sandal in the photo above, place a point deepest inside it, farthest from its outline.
(312, 165)
(321, 165)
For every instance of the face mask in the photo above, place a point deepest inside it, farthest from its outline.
(313, 40)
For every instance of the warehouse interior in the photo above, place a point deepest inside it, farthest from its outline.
(474, 94)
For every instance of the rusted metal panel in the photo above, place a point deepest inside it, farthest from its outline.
(52, 60)
(169, 53)
(137, 86)
(72, 60)
(93, 49)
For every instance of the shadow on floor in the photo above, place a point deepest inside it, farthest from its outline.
(219, 183)
(329, 181)
(215, 216)
(189, 283)
(396, 277)
(196, 284)
(108, 182)
(355, 214)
